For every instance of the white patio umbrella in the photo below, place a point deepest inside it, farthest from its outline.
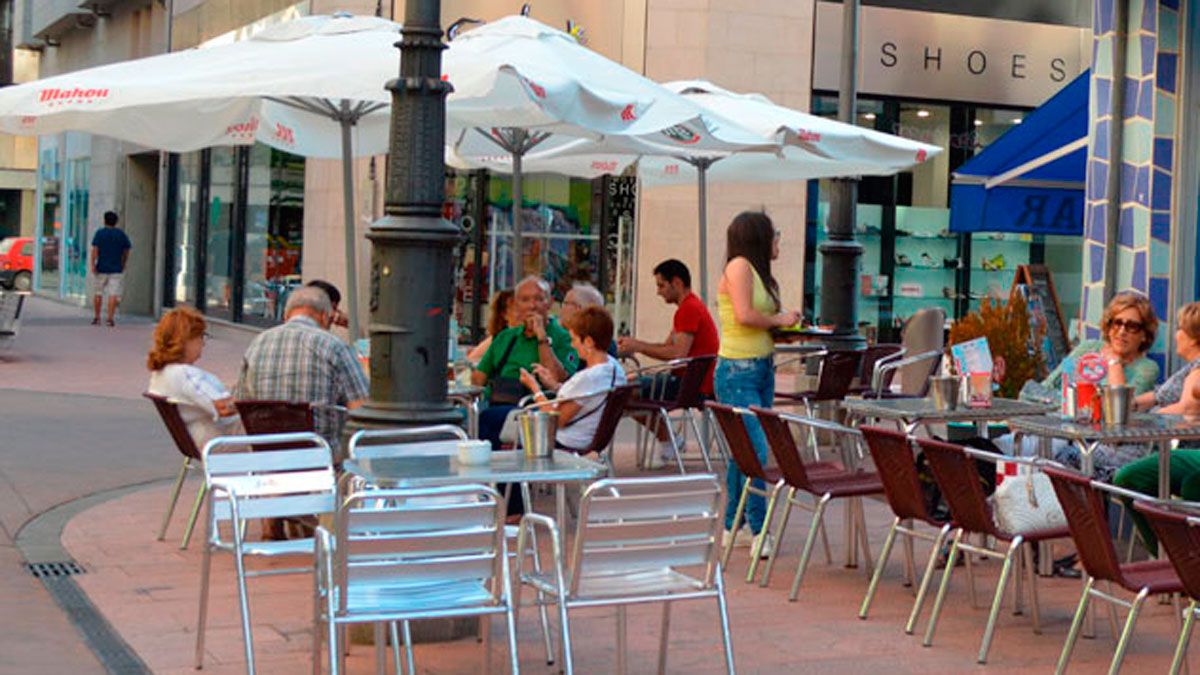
(520, 85)
(313, 86)
(806, 147)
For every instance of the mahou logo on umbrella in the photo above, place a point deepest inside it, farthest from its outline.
(55, 96)
(681, 134)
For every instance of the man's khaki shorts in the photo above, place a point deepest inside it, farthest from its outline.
(108, 284)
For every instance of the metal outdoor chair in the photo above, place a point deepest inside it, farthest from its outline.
(243, 486)
(835, 373)
(687, 402)
(402, 555)
(177, 428)
(1085, 504)
(957, 476)
(1179, 535)
(277, 417)
(634, 541)
(894, 459)
(823, 481)
(923, 341)
(732, 424)
(874, 358)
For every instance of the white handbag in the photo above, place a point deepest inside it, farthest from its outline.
(1027, 503)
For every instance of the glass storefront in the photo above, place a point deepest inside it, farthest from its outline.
(76, 243)
(573, 230)
(236, 232)
(52, 207)
(911, 260)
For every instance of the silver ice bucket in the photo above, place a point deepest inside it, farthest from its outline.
(538, 429)
(1116, 404)
(944, 392)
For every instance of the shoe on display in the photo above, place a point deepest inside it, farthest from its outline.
(902, 260)
(743, 539)
(926, 261)
(948, 292)
(768, 545)
(951, 263)
(903, 233)
(994, 263)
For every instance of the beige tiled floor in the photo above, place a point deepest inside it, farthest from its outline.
(149, 590)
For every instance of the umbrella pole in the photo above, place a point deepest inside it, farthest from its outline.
(518, 152)
(702, 184)
(348, 212)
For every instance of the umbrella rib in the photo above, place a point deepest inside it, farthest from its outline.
(500, 138)
(303, 104)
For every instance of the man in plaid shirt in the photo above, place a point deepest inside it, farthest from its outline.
(301, 360)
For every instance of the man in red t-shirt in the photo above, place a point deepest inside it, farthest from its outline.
(693, 333)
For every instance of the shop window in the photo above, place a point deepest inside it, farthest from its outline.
(274, 233)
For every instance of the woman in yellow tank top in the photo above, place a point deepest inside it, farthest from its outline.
(748, 308)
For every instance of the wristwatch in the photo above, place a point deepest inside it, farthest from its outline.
(545, 340)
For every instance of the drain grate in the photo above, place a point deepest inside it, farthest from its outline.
(44, 570)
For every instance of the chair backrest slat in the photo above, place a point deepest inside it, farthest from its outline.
(421, 537)
(645, 524)
(837, 373)
(276, 506)
(896, 465)
(294, 482)
(610, 417)
(783, 448)
(1086, 510)
(957, 477)
(176, 427)
(297, 459)
(733, 427)
(440, 439)
(692, 381)
(871, 356)
(1180, 536)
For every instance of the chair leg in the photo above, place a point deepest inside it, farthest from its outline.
(191, 523)
(756, 550)
(485, 631)
(788, 503)
(1185, 635)
(674, 438)
(397, 657)
(1076, 624)
(818, 516)
(663, 637)
(162, 531)
(1135, 608)
(737, 523)
(406, 629)
(926, 578)
(1014, 548)
(1112, 615)
(1031, 577)
(380, 638)
(910, 565)
(861, 526)
(514, 660)
(941, 594)
(205, 571)
(969, 564)
(335, 647)
(621, 647)
(316, 633)
(543, 615)
(691, 420)
(723, 610)
(884, 553)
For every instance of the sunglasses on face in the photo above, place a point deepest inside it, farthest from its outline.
(1130, 326)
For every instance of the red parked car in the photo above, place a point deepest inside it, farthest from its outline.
(16, 263)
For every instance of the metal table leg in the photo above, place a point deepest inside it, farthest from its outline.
(1164, 469)
(1087, 465)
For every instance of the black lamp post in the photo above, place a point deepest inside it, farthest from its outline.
(412, 252)
(841, 254)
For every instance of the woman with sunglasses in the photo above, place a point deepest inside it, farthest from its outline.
(1128, 327)
(205, 405)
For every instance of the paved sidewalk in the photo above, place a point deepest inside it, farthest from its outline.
(149, 591)
(73, 425)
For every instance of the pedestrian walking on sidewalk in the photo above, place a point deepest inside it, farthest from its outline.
(110, 253)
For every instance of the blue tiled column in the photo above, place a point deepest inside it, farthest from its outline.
(1148, 160)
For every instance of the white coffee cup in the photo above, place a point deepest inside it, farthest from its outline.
(474, 452)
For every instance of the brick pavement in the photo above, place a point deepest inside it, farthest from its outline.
(149, 592)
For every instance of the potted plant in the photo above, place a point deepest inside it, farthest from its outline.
(1010, 338)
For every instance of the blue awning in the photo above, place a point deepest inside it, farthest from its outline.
(1031, 179)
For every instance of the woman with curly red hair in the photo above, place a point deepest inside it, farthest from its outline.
(204, 403)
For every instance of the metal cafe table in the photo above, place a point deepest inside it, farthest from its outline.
(506, 466)
(1144, 428)
(911, 413)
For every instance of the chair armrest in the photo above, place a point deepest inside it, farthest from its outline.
(529, 522)
(821, 353)
(892, 366)
(653, 368)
